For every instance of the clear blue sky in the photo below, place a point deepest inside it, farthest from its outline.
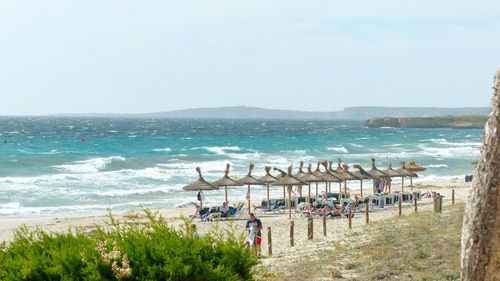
(145, 56)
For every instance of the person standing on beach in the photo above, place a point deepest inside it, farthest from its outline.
(255, 222)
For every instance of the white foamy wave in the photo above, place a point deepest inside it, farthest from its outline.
(218, 149)
(356, 145)
(445, 142)
(449, 152)
(436, 166)
(339, 149)
(166, 149)
(393, 145)
(92, 165)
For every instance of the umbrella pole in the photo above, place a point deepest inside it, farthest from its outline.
(340, 190)
(402, 184)
(289, 201)
(361, 189)
(268, 201)
(411, 182)
(316, 189)
(345, 188)
(326, 190)
(309, 195)
(249, 206)
(225, 193)
(284, 195)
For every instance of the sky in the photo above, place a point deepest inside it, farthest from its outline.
(101, 56)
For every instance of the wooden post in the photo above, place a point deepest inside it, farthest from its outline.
(400, 204)
(367, 214)
(310, 228)
(345, 188)
(317, 189)
(350, 218)
(453, 197)
(249, 206)
(402, 184)
(309, 195)
(269, 241)
(324, 225)
(291, 233)
(415, 201)
(225, 193)
(289, 201)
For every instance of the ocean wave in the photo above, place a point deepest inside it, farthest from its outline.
(339, 149)
(166, 149)
(445, 142)
(356, 145)
(218, 149)
(92, 165)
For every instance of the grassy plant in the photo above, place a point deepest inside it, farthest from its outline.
(128, 250)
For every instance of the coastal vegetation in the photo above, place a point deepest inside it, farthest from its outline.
(459, 122)
(127, 250)
(418, 246)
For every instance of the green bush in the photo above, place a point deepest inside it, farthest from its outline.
(128, 250)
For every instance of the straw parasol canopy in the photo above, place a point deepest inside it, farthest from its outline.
(337, 174)
(362, 175)
(289, 180)
(281, 175)
(390, 172)
(249, 180)
(226, 181)
(330, 176)
(310, 177)
(267, 179)
(405, 173)
(374, 172)
(200, 184)
(318, 174)
(339, 168)
(300, 174)
(413, 167)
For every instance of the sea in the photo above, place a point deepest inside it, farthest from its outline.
(69, 166)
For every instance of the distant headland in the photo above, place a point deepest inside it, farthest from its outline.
(348, 113)
(459, 122)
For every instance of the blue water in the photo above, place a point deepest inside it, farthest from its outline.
(47, 170)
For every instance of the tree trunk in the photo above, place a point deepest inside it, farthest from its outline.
(480, 258)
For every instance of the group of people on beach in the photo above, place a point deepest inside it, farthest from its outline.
(382, 185)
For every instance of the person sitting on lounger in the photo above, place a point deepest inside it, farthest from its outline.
(202, 213)
(224, 210)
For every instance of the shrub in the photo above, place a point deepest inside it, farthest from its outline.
(128, 250)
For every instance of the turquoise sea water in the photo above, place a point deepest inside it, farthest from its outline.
(46, 169)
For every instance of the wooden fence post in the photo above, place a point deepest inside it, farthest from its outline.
(350, 218)
(291, 233)
(453, 197)
(269, 241)
(415, 201)
(400, 204)
(324, 225)
(310, 229)
(367, 214)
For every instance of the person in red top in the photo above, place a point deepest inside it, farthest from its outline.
(254, 222)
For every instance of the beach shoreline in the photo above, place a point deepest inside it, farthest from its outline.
(279, 222)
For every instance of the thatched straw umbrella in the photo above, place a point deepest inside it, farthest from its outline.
(405, 173)
(362, 175)
(226, 181)
(308, 178)
(281, 175)
(298, 175)
(337, 174)
(375, 173)
(390, 172)
(200, 184)
(329, 176)
(249, 180)
(413, 167)
(347, 175)
(289, 181)
(318, 174)
(267, 179)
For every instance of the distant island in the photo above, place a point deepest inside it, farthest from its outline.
(349, 113)
(459, 122)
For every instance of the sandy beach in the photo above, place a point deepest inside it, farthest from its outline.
(279, 223)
